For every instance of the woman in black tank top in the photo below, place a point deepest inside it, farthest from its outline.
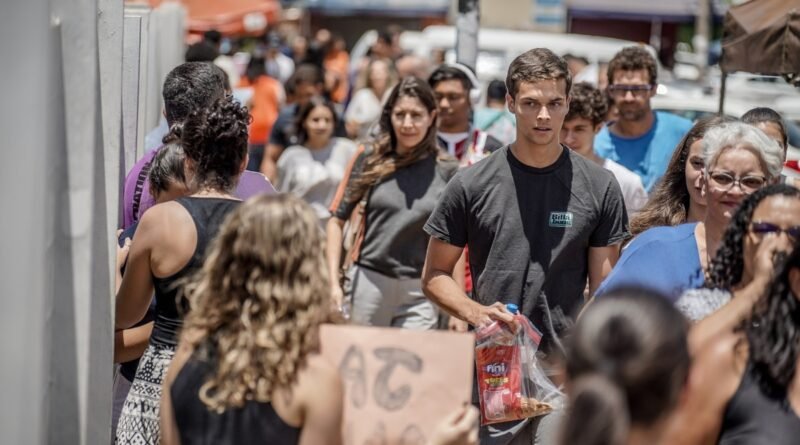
(169, 246)
(744, 386)
(246, 370)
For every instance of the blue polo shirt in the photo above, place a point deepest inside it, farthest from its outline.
(662, 259)
(647, 155)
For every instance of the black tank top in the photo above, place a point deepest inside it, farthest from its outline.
(753, 417)
(207, 214)
(255, 422)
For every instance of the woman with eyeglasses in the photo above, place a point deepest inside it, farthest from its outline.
(399, 179)
(677, 198)
(739, 159)
(764, 228)
(744, 387)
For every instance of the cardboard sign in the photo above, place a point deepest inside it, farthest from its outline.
(399, 384)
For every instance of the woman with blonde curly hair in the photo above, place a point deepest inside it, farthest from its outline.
(246, 367)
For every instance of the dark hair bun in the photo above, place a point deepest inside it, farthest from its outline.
(216, 140)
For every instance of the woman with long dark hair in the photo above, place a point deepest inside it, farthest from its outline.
(169, 245)
(399, 178)
(677, 199)
(745, 257)
(248, 368)
(739, 159)
(313, 169)
(745, 388)
(627, 364)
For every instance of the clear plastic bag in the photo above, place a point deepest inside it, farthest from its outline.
(511, 385)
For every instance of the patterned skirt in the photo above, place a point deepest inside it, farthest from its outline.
(139, 423)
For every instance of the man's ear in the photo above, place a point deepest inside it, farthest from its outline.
(510, 103)
(598, 127)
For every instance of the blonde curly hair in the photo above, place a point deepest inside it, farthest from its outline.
(257, 303)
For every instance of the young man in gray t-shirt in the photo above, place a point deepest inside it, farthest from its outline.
(538, 219)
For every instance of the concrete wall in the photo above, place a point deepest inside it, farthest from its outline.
(59, 177)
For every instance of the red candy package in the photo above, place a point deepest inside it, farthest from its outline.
(510, 384)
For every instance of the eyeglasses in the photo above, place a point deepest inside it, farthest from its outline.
(764, 228)
(636, 90)
(748, 184)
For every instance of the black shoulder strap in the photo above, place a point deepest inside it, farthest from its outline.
(139, 189)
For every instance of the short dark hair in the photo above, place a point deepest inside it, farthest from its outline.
(306, 73)
(213, 36)
(535, 65)
(385, 37)
(191, 86)
(201, 52)
(447, 72)
(761, 115)
(587, 102)
(496, 90)
(256, 67)
(633, 58)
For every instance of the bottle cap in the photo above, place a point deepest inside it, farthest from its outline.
(513, 308)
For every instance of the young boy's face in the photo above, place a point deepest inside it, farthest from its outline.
(578, 134)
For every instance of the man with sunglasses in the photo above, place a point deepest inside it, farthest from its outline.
(642, 140)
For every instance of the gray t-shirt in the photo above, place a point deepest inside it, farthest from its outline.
(314, 174)
(397, 208)
(529, 231)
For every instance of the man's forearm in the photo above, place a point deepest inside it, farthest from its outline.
(448, 295)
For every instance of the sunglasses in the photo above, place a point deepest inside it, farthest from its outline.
(726, 181)
(764, 228)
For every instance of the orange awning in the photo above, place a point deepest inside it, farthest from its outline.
(230, 17)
